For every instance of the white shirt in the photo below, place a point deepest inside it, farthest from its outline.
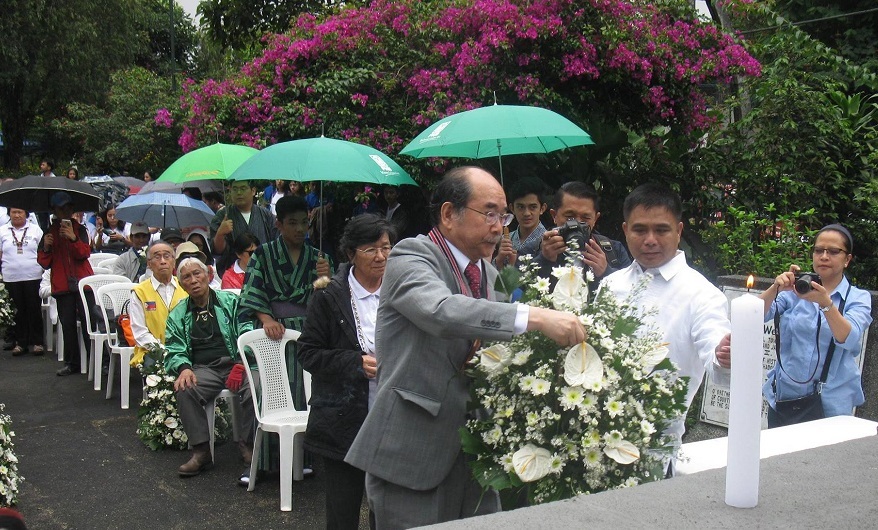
(367, 311)
(142, 335)
(20, 267)
(391, 210)
(692, 314)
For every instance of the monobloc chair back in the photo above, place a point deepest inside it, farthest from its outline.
(275, 411)
(97, 337)
(111, 299)
(97, 258)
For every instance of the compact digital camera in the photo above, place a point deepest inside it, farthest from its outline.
(803, 281)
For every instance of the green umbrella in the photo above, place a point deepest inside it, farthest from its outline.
(314, 159)
(497, 130)
(323, 159)
(216, 161)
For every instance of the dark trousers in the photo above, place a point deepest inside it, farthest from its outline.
(69, 311)
(28, 313)
(344, 494)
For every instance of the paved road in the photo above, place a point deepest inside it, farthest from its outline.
(85, 468)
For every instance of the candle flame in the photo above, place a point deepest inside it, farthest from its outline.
(750, 281)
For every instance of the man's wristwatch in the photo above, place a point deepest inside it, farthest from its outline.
(826, 309)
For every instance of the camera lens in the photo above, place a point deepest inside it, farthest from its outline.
(803, 284)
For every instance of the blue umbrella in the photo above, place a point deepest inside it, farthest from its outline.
(164, 210)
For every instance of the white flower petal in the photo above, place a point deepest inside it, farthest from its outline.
(623, 452)
(531, 463)
(571, 291)
(654, 356)
(494, 358)
(583, 366)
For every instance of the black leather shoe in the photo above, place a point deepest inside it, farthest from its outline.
(244, 479)
(64, 371)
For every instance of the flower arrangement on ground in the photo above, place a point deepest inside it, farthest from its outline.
(570, 421)
(158, 420)
(7, 308)
(9, 477)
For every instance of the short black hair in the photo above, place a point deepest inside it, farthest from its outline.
(288, 205)
(213, 196)
(243, 242)
(455, 188)
(49, 162)
(577, 189)
(362, 230)
(193, 192)
(653, 195)
(528, 186)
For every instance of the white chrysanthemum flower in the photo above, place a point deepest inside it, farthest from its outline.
(531, 463)
(630, 482)
(556, 464)
(593, 457)
(493, 436)
(582, 366)
(521, 357)
(541, 387)
(532, 418)
(571, 397)
(559, 271)
(542, 285)
(647, 427)
(614, 408)
(506, 460)
(589, 400)
(526, 383)
(608, 344)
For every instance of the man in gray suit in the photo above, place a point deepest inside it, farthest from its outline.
(436, 304)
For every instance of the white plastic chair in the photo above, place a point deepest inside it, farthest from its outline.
(110, 299)
(45, 307)
(107, 264)
(97, 337)
(96, 258)
(101, 270)
(275, 411)
(234, 406)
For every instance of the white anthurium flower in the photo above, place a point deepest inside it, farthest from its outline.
(531, 463)
(583, 366)
(153, 380)
(623, 452)
(654, 356)
(494, 358)
(571, 291)
(170, 423)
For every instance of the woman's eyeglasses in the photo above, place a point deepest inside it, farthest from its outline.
(819, 251)
(372, 252)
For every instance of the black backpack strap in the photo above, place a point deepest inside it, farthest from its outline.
(831, 350)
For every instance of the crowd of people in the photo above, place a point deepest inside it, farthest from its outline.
(389, 324)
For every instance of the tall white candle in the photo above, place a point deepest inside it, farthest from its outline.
(745, 407)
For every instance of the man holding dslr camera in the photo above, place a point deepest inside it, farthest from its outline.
(575, 214)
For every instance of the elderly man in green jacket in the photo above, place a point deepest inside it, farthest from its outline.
(202, 353)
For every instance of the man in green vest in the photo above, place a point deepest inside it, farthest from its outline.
(153, 299)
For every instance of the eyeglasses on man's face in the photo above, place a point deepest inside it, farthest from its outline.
(819, 251)
(159, 256)
(493, 217)
(371, 252)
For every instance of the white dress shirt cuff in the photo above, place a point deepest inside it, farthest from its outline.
(522, 313)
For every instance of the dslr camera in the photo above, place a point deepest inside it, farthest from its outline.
(803, 281)
(573, 230)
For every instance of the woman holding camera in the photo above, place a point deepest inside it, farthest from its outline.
(818, 316)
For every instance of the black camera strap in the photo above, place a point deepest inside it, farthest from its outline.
(825, 373)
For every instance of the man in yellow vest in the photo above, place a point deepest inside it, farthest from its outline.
(153, 299)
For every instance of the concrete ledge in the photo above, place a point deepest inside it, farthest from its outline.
(827, 487)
